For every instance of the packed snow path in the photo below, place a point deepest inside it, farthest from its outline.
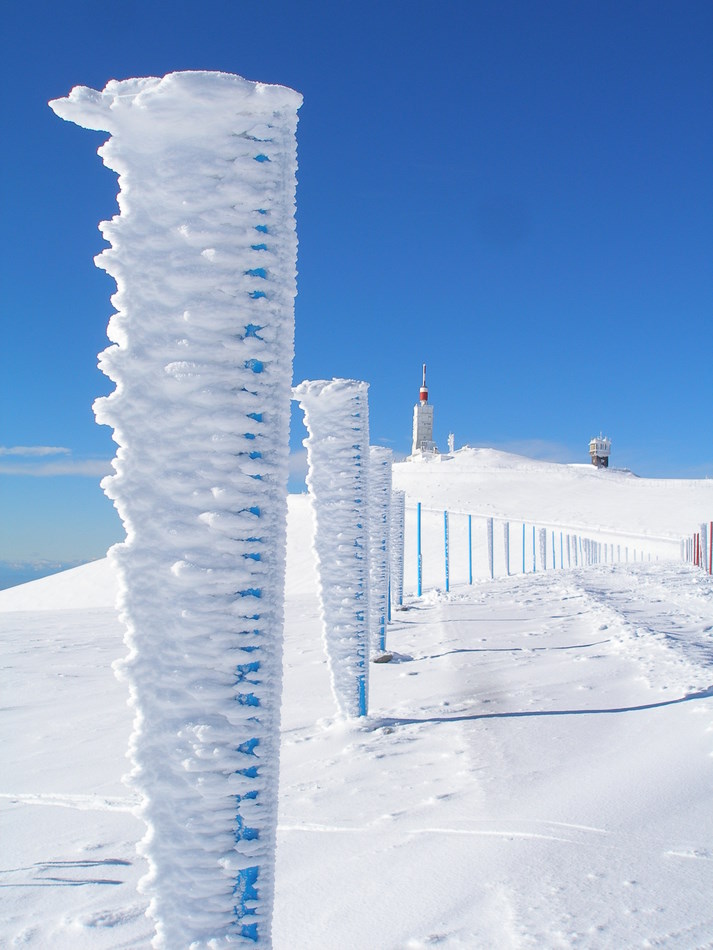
(539, 774)
(536, 773)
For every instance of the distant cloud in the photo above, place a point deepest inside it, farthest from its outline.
(27, 451)
(93, 468)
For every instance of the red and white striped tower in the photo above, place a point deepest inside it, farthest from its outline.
(423, 423)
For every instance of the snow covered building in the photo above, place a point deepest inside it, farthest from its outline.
(599, 449)
(423, 423)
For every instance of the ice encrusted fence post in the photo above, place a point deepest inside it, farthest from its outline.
(543, 548)
(419, 556)
(337, 420)
(203, 253)
(380, 461)
(491, 554)
(396, 547)
(704, 545)
(446, 551)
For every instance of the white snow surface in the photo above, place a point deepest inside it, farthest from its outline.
(536, 771)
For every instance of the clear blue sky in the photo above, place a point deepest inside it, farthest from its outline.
(517, 193)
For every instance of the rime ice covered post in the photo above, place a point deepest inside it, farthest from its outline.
(380, 461)
(491, 559)
(704, 545)
(543, 548)
(337, 420)
(203, 253)
(396, 546)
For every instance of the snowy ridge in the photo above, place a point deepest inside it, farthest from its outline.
(578, 498)
(202, 359)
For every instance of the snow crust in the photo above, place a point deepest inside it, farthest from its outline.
(535, 771)
(203, 253)
(337, 420)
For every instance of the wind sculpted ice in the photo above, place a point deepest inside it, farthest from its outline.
(396, 547)
(203, 254)
(380, 460)
(337, 420)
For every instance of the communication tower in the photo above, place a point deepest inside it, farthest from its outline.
(423, 423)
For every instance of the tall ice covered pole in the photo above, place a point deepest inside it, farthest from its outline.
(203, 253)
(337, 420)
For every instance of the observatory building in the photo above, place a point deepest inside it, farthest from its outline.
(599, 449)
(423, 443)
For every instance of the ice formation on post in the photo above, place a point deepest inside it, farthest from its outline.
(396, 546)
(704, 544)
(337, 420)
(203, 253)
(489, 527)
(543, 548)
(380, 461)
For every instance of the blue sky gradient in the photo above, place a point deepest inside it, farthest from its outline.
(517, 193)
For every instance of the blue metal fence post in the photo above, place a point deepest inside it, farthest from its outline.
(534, 554)
(446, 551)
(470, 549)
(523, 547)
(419, 565)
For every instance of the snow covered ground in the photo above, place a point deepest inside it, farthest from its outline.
(537, 769)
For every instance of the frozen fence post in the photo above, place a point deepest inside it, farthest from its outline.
(704, 545)
(506, 543)
(543, 548)
(446, 550)
(337, 420)
(419, 558)
(203, 254)
(491, 559)
(396, 547)
(380, 460)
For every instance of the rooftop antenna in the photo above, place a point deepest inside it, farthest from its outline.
(423, 392)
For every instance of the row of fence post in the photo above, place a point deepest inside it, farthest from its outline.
(573, 550)
(697, 548)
